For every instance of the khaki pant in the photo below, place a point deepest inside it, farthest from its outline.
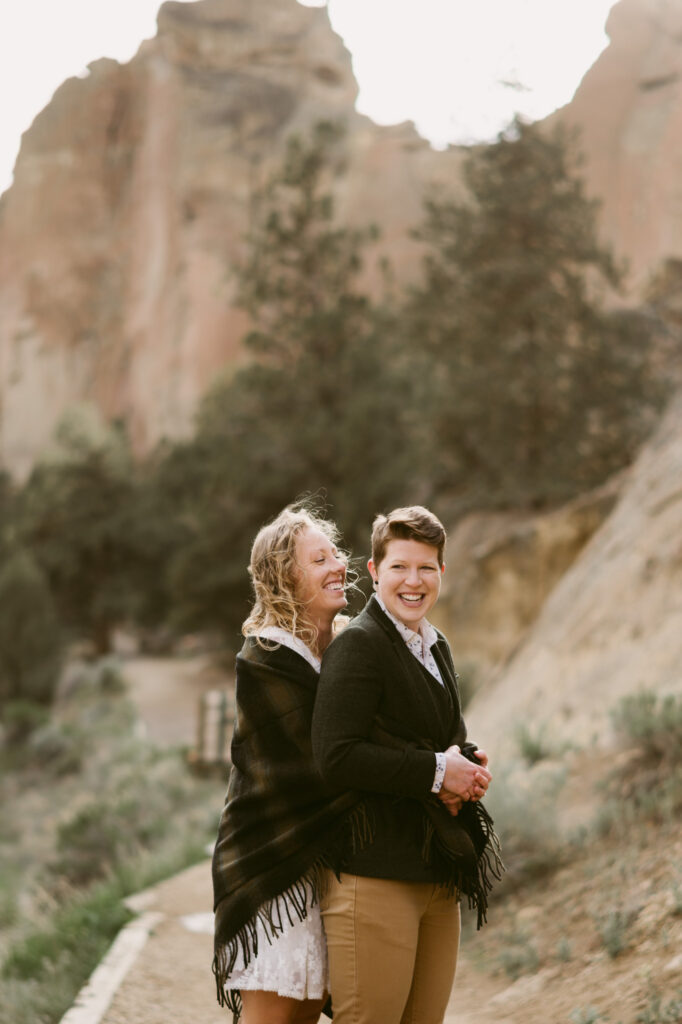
(392, 950)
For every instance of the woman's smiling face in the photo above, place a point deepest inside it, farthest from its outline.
(408, 579)
(321, 575)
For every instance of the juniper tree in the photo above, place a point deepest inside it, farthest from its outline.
(30, 638)
(81, 518)
(321, 407)
(538, 388)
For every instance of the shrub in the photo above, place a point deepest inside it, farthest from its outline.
(103, 835)
(22, 717)
(651, 790)
(109, 677)
(586, 1015)
(9, 903)
(533, 744)
(30, 639)
(653, 723)
(525, 815)
(518, 954)
(47, 968)
(57, 749)
(615, 931)
(659, 1012)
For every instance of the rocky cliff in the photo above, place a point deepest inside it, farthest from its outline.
(130, 204)
(628, 109)
(501, 567)
(132, 189)
(612, 625)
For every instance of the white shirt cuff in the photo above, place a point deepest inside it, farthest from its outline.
(440, 774)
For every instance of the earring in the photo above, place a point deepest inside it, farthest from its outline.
(375, 583)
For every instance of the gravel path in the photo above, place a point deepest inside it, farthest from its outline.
(171, 981)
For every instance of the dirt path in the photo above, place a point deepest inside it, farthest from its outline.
(167, 691)
(170, 981)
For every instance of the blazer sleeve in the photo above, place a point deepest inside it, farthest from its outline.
(348, 700)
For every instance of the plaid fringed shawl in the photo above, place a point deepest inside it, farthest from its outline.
(279, 818)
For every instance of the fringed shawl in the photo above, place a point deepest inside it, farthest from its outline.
(279, 818)
(464, 849)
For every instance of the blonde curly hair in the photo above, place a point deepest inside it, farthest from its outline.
(273, 573)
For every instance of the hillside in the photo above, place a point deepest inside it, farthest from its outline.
(612, 624)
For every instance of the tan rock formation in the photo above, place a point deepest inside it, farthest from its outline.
(501, 567)
(628, 108)
(612, 625)
(132, 190)
(130, 205)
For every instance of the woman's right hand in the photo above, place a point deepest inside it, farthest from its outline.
(464, 778)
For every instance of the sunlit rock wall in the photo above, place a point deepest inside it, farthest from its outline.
(628, 109)
(131, 201)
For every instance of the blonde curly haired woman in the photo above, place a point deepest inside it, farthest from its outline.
(270, 957)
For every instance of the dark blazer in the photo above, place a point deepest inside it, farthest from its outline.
(370, 679)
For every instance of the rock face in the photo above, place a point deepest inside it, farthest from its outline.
(612, 625)
(132, 191)
(500, 569)
(130, 204)
(628, 109)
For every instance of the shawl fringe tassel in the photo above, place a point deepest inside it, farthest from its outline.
(291, 905)
(474, 881)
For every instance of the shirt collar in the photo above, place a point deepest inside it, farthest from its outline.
(427, 635)
(294, 643)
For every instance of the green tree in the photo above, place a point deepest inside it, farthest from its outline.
(7, 515)
(30, 638)
(537, 390)
(82, 519)
(663, 298)
(322, 406)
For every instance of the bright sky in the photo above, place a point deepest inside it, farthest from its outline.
(458, 68)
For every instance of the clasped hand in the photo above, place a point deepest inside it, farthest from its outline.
(464, 780)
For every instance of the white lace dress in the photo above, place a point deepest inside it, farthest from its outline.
(295, 963)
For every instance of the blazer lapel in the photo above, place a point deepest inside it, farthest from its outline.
(447, 675)
(432, 702)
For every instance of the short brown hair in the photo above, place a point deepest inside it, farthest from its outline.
(412, 523)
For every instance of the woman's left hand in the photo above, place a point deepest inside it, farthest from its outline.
(480, 786)
(453, 802)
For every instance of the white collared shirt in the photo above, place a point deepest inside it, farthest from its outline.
(420, 643)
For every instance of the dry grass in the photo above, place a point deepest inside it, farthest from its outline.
(92, 813)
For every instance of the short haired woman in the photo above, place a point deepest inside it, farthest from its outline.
(388, 724)
(270, 956)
